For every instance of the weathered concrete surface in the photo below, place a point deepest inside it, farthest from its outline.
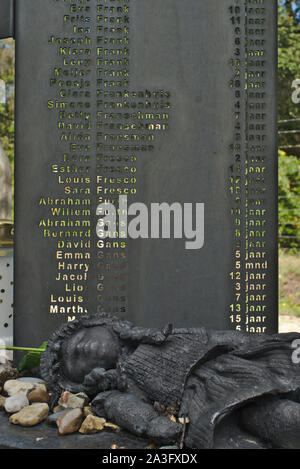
(43, 436)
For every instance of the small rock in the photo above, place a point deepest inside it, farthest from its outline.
(112, 426)
(84, 396)
(70, 422)
(15, 403)
(92, 425)
(32, 380)
(52, 419)
(7, 373)
(87, 410)
(38, 395)
(57, 409)
(64, 396)
(30, 415)
(72, 401)
(183, 420)
(2, 402)
(169, 447)
(16, 386)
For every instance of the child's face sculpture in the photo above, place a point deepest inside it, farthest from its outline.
(89, 348)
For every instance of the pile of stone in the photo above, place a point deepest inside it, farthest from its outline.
(26, 401)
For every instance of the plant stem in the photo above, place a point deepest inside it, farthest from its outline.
(23, 349)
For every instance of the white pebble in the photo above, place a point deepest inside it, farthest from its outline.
(15, 403)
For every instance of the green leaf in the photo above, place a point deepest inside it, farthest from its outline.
(31, 359)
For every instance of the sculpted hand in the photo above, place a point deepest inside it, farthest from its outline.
(146, 336)
(98, 380)
(161, 335)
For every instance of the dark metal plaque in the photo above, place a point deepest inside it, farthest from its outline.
(164, 101)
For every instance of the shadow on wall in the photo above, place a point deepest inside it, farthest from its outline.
(5, 186)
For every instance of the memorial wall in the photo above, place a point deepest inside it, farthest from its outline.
(164, 102)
